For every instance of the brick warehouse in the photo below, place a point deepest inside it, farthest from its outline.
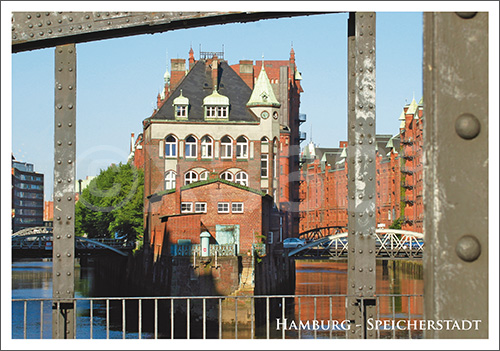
(323, 190)
(235, 123)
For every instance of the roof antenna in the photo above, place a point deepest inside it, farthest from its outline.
(311, 134)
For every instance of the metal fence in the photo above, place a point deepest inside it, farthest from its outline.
(218, 317)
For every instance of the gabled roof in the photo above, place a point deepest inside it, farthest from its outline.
(412, 108)
(198, 84)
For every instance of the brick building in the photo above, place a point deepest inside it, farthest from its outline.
(323, 190)
(238, 122)
(27, 196)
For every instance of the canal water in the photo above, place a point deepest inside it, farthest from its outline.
(33, 279)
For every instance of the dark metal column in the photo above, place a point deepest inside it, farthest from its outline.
(361, 163)
(456, 171)
(63, 283)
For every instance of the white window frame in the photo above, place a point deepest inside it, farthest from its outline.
(237, 210)
(211, 111)
(242, 148)
(222, 204)
(203, 175)
(222, 112)
(186, 207)
(227, 176)
(190, 147)
(226, 148)
(172, 146)
(181, 111)
(200, 204)
(207, 147)
(264, 158)
(191, 178)
(241, 178)
(170, 178)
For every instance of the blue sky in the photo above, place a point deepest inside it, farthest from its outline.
(118, 81)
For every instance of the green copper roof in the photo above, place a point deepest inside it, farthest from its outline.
(298, 76)
(421, 102)
(263, 94)
(344, 153)
(402, 116)
(216, 99)
(413, 108)
(402, 125)
(389, 143)
(181, 100)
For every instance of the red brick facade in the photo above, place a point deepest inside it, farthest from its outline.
(169, 222)
(323, 190)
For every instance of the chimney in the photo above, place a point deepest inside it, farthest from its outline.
(191, 58)
(178, 189)
(131, 142)
(246, 72)
(178, 72)
(215, 72)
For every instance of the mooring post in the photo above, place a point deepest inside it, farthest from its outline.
(361, 173)
(63, 255)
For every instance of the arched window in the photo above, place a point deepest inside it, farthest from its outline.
(190, 177)
(204, 175)
(242, 178)
(190, 146)
(226, 147)
(207, 145)
(241, 147)
(170, 146)
(170, 180)
(227, 176)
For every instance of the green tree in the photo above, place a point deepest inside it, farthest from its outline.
(396, 224)
(112, 204)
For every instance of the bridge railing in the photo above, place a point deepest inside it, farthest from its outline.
(219, 317)
(195, 249)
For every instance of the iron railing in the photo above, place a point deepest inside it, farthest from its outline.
(218, 317)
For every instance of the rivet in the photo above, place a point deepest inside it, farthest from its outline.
(70, 143)
(98, 15)
(360, 51)
(352, 197)
(370, 269)
(370, 196)
(361, 215)
(89, 25)
(59, 142)
(57, 291)
(360, 106)
(50, 31)
(59, 124)
(360, 178)
(370, 160)
(145, 17)
(59, 162)
(353, 286)
(30, 25)
(28, 16)
(70, 87)
(360, 196)
(68, 254)
(370, 287)
(361, 33)
(360, 288)
(79, 27)
(107, 13)
(360, 251)
(67, 292)
(370, 141)
(58, 237)
(59, 87)
(361, 269)
(68, 274)
(370, 124)
(58, 255)
(59, 30)
(370, 87)
(361, 16)
(70, 19)
(70, 106)
(361, 142)
(59, 199)
(69, 198)
(38, 15)
(466, 15)
(371, 33)
(353, 214)
(58, 218)
(127, 20)
(370, 69)
(70, 69)
(360, 124)
(58, 274)
(40, 24)
(371, 106)
(59, 21)
(87, 16)
(361, 69)
(371, 51)
(468, 248)
(70, 51)
(71, 28)
(352, 267)
(467, 126)
(109, 22)
(360, 160)
(69, 235)
(69, 180)
(32, 35)
(70, 124)
(371, 215)
(14, 37)
(370, 178)
(69, 217)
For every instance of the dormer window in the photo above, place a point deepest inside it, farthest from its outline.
(216, 106)
(181, 107)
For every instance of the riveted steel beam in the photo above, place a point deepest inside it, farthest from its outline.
(63, 281)
(36, 30)
(361, 170)
(456, 171)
